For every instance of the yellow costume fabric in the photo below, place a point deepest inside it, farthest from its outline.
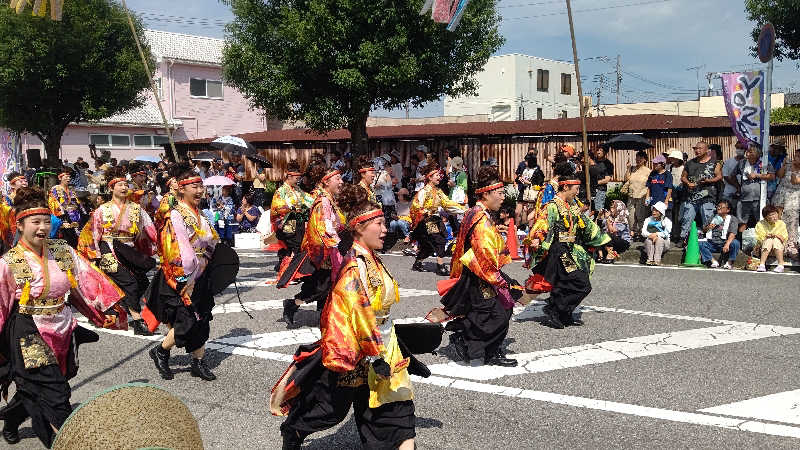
(488, 252)
(286, 198)
(427, 203)
(321, 237)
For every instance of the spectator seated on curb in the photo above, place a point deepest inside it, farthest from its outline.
(721, 237)
(656, 232)
(615, 223)
(771, 234)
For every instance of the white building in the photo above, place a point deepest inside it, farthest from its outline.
(521, 87)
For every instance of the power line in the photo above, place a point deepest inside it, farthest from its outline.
(653, 2)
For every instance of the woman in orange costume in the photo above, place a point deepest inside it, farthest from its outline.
(484, 296)
(38, 348)
(319, 245)
(357, 362)
(426, 222)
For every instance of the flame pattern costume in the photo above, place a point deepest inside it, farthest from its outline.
(289, 213)
(335, 373)
(482, 298)
(428, 227)
(40, 337)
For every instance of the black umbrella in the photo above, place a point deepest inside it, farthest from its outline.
(628, 142)
(260, 160)
(236, 150)
(205, 156)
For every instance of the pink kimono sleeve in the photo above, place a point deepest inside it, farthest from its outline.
(8, 290)
(189, 260)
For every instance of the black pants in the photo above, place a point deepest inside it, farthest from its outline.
(431, 238)
(325, 404)
(316, 288)
(569, 290)
(292, 241)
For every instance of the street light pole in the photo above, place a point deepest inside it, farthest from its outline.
(580, 104)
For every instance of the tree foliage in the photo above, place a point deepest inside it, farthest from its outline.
(85, 67)
(784, 15)
(787, 114)
(330, 62)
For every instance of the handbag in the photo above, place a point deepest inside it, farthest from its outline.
(531, 193)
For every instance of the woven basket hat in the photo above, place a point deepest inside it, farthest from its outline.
(130, 416)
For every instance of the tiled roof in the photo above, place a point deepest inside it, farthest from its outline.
(185, 47)
(603, 124)
(147, 115)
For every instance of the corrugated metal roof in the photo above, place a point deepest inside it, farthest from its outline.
(185, 47)
(610, 124)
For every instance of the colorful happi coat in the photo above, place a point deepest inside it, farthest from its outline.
(322, 229)
(286, 198)
(168, 202)
(574, 229)
(186, 243)
(356, 329)
(487, 252)
(38, 286)
(427, 202)
(59, 199)
(128, 223)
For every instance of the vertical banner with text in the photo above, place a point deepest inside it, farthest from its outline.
(10, 156)
(744, 100)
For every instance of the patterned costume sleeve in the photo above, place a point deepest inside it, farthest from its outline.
(94, 286)
(279, 207)
(7, 222)
(179, 239)
(449, 205)
(54, 203)
(89, 239)
(488, 253)
(164, 207)
(348, 325)
(307, 199)
(591, 235)
(552, 217)
(8, 290)
(147, 237)
(331, 236)
(417, 209)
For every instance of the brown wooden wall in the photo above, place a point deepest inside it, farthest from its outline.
(509, 151)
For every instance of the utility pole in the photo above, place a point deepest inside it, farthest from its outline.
(580, 104)
(408, 107)
(710, 92)
(619, 76)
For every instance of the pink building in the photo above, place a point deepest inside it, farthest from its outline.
(195, 100)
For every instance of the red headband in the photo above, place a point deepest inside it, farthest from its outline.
(191, 180)
(490, 187)
(32, 212)
(62, 175)
(294, 174)
(141, 172)
(366, 169)
(332, 174)
(15, 179)
(115, 181)
(569, 183)
(365, 217)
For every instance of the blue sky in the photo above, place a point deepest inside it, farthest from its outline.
(658, 40)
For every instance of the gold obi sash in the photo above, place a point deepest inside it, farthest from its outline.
(23, 276)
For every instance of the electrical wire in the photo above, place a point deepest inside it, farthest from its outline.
(561, 13)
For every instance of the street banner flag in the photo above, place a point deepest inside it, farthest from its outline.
(744, 99)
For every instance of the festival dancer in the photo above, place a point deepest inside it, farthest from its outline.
(40, 337)
(63, 205)
(561, 257)
(121, 238)
(483, 297)
(8, 224)
(366, 176)
(358, 361)
(429, 230)
(319, 246)
(170, 199)
(136, 187)
(179, 295)
(289, 212)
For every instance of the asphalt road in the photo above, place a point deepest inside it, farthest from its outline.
(668, 358)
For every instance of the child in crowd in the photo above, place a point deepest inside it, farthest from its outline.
(771, 235)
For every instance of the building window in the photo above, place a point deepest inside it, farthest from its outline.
(542, 80)
(149, 141)
(566, 84)
(539, 113)
(110, 140)
(563, 113)
(199, 87)
(158, 87)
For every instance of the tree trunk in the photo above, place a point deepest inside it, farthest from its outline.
(358, 135)
(52, 147)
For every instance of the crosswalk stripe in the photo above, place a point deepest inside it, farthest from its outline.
(780, 407)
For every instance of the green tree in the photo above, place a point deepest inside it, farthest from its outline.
(85, 67)
(330, 62)
(784, 15)
(787, 114)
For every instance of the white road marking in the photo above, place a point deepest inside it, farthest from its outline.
(616, 407)
(780, 407)
(734, 271)
(234, 307)
(616, 350)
